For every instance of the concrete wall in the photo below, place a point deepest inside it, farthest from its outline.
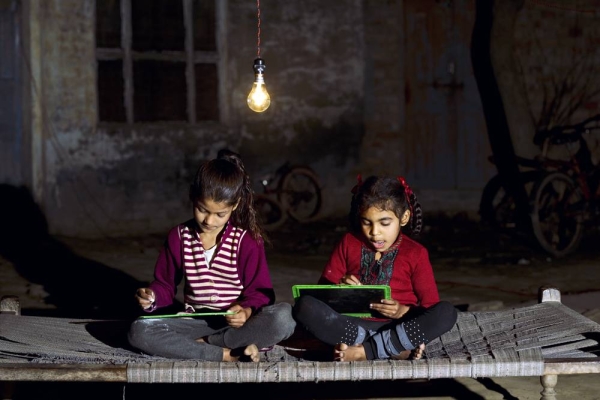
(557, 52)
(118, 179)
(336, 73)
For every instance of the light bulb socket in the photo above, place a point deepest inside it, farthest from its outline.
(259, 66)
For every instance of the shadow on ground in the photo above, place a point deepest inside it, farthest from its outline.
(78, 287)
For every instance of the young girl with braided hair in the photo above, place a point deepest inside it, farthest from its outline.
(220, 254)
(379, 249)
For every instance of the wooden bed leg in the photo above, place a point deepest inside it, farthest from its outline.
(548, 293)
(548, 383)
(10, 305)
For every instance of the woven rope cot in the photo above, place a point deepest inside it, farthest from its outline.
(545, 339)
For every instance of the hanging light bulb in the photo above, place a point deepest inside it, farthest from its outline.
(259, 99)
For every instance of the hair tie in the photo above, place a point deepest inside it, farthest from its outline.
(358, 184)
(407, 192)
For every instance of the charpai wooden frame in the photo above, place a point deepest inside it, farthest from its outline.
(547, 339)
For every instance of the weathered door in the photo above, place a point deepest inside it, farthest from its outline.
(11, 143)
(446, 144)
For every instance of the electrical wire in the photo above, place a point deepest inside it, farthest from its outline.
(258, 29)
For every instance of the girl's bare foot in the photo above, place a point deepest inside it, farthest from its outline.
(415, 354)
(250, 352)
(227, 357)
(343, 352)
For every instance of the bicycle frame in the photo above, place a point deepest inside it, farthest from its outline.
(292, 190)
(564, 191)
(270, 182)
(565, 200)
(574, 165)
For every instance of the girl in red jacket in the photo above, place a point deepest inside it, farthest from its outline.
(377, 251)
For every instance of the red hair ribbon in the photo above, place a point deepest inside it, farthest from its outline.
(407, 191)
(358, 184)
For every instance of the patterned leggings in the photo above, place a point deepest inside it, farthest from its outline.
(381, 339)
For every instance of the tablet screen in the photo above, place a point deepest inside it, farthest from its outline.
(346, 299)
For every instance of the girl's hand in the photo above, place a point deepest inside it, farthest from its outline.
(349, 280)
(240, 317)
(390, 308)
(145, 297)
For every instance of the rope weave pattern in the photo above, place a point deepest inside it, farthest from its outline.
(482, 344)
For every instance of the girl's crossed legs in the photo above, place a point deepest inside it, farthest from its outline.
(362, 339)
(211, 339)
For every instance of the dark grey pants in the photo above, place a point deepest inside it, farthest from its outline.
(176, 337)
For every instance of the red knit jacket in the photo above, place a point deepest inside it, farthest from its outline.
(412, 281)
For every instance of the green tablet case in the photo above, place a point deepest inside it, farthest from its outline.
(350, 300)
(187, 315)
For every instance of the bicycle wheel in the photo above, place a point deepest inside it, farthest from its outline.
(557, 214)
(300, 194)
(269, 212)
(496, 207)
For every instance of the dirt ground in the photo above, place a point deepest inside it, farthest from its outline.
(474, 266)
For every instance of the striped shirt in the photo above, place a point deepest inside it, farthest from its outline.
(238, 272)
(215, 284)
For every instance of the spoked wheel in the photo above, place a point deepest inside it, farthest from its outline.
(269, 212)
(557, 214)
(497, 208)
(300, 194)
